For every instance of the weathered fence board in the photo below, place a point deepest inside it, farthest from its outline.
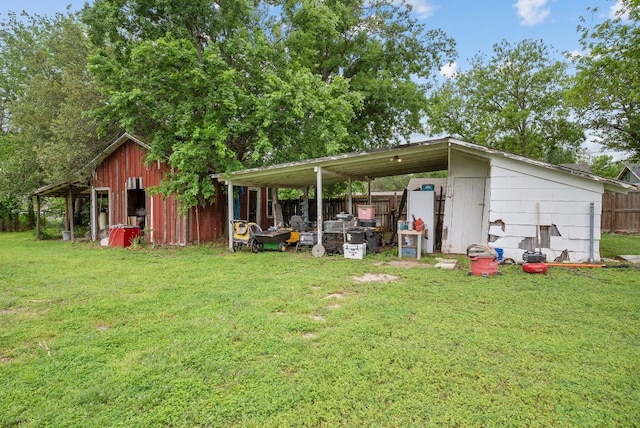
(621, 213)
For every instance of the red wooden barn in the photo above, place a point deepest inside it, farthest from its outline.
(118, 190)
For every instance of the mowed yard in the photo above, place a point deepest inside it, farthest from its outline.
(199, 336)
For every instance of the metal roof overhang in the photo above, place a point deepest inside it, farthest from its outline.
(61, 188)
(419, 157)
(404, 159)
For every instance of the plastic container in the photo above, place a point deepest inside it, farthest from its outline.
(409, 252)
(500, 252)
(355, 236)
(367, 212)
(334, 226)
(367, 223)
(354, 251)
(122, 236)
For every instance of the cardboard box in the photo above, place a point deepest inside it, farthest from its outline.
(354, 251)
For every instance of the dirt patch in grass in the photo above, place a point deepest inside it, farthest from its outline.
(376, 277)
(335, 296)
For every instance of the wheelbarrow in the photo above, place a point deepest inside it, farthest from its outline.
(271, 240)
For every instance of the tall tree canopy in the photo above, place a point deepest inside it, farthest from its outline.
(221, 85)
(45, 94)
(607, 89)
(512, 102)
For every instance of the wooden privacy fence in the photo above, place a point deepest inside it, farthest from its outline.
(620, 213)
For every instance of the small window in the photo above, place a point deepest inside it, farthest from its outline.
(270, 202)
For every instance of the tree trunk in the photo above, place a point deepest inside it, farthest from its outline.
(31, 217)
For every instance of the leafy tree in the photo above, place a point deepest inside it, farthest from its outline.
(217, 86)
(605, 166)
(379, 49)
(607, 89)
(45, 92)
(512, 102)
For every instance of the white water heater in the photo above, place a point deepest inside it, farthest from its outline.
(421, 204)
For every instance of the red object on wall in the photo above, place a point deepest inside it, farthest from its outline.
(122, 236)
(537, 267)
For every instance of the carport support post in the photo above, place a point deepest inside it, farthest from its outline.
(230, 212)
(318, 171)
(305, 204)
(350, 197)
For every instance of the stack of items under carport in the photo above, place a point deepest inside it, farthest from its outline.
(333, 236)
(355, 248)
(361, 239)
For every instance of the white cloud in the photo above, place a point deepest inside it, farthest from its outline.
(532, 12)
(575, 54)
(421, 8)
(449, 70)
(618, 10)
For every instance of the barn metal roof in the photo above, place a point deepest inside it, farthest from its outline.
(418, 157)
(78, 183)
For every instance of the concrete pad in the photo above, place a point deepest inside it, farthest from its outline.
(448, 264)
(631, 258)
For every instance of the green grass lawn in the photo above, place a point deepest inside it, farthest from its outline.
(616, 245)
(98, 337)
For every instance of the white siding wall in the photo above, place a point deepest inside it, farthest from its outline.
(563, 199)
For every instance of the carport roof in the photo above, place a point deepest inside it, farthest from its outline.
(413, 158)
(419, 157)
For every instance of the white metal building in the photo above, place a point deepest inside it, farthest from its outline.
(509, 201)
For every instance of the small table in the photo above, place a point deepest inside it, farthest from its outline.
(415, 235)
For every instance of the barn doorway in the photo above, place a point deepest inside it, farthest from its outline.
(136, 203)
(101, 218)
(253, 205)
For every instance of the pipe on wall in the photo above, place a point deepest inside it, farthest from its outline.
(591, 230)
